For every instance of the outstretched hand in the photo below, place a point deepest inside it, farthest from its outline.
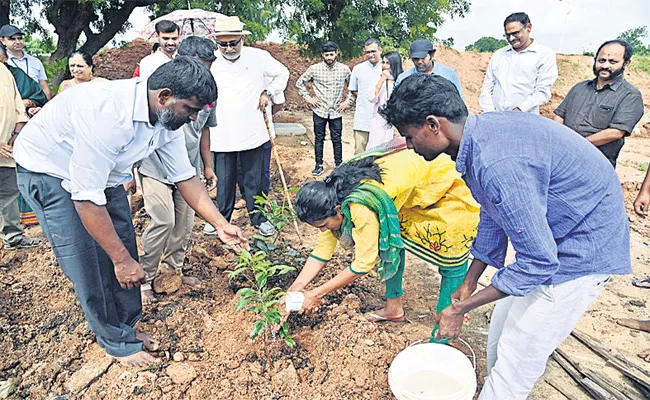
(233, 237)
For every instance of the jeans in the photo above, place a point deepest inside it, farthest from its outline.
(336, 127)
(110, 310)
(252, 165)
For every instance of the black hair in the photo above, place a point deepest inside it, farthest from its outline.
(155, 47)
(88, 59)
(629, 50)
(197, 47)
(186, 77)
(520, 17)
(3, 49)
(421, 95)
(329, 47)
(372, 40)
(395, 61)
(317, 200)
(166, 26)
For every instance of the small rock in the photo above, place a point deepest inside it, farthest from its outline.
(168, 282)
(164, 381)
(179, 357)
(352, 301)
(167, 355)
(193, 357)
(304, 143)
(637, 303)
(634, 333)
(159, 323)
(369, 342)
(97, 364)
(181, 373)
(7, 388)
(287, 378)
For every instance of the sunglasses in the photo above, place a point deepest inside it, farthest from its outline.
(515, 33)
(232, 43)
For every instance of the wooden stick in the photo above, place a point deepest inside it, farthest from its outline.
(555, 385)
(284, 182)
(627, 368)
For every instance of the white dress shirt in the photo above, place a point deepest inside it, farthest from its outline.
(151, 63)
(519, 79)
(91, 135)
(364, 79)
(240, 122)
(30, 65)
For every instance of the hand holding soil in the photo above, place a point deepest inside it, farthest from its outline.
(641, 204)
(210, 179)
(449, 323)
(233, 237)
(311, 303)
(129, 273)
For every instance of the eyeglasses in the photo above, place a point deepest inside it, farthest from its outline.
(370, 51)
(232, 43)
(515, 33)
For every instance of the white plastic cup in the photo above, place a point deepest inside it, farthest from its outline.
(294, 301)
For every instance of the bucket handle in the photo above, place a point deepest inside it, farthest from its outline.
(464, 342)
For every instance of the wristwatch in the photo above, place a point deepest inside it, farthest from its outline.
(15, 133)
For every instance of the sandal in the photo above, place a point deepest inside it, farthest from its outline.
(372, 317)
(643, 283)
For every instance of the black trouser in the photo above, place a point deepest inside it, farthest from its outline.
(266, 181)
(336, 126)
(225, 166)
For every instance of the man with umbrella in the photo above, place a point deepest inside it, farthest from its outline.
(168, 37)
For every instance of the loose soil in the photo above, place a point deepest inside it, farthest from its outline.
(44, 339)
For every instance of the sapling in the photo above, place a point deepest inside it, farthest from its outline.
(278, 215)
(261, 299)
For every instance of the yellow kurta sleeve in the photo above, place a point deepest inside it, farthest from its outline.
(325, 246)
(366, 238)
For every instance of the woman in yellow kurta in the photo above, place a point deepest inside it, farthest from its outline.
(383, 202)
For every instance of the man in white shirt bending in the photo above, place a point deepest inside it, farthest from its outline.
(168, 38)
(72, 161)
(247, 79)
(520, 75)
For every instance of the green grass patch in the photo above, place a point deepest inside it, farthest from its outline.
(640, 63)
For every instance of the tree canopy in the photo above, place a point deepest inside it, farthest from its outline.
(349, 23)
(486, 44)
(635, 38)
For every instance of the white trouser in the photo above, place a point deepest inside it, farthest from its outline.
(524, 331)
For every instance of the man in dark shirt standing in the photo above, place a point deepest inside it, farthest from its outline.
(604, 110)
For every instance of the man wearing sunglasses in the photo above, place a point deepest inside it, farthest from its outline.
(247, 79)
(520, 75)
(363, 80)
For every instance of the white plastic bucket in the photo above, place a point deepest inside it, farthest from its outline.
(432, 371)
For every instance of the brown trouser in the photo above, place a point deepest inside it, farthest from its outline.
(166, 237)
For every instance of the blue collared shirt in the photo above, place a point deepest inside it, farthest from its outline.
(30, 65)
(438, 69)
(90, 136)
(551, 193)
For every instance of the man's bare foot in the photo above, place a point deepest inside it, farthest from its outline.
(139, 359)
(645, 355)
(392, 312)
(148, 297)
(636, 324)
(191, 281)
(148, 341)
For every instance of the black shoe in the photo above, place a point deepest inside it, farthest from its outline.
(24, 243)
(318, 171)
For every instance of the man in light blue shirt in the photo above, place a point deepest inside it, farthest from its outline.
(422, 52)
(73, 159)
(13, 39)
(548, 191)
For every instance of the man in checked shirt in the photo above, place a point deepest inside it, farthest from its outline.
(328, 78)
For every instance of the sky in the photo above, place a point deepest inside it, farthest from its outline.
(567, 26)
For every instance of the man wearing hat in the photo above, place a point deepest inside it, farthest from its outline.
(421, 54)
(12, 38)
(248, 79)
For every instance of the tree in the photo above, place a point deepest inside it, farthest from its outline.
(486, 44)
(98, 20)
(350, 22)
(259, 16)
(635, 38)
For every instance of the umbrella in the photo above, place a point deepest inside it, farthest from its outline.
(194, 22)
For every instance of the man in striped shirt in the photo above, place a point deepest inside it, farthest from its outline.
(328, 79)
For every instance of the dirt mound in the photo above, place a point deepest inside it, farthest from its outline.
(119, 63)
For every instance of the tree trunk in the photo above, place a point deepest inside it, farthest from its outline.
(69, 19)
(5, 6)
